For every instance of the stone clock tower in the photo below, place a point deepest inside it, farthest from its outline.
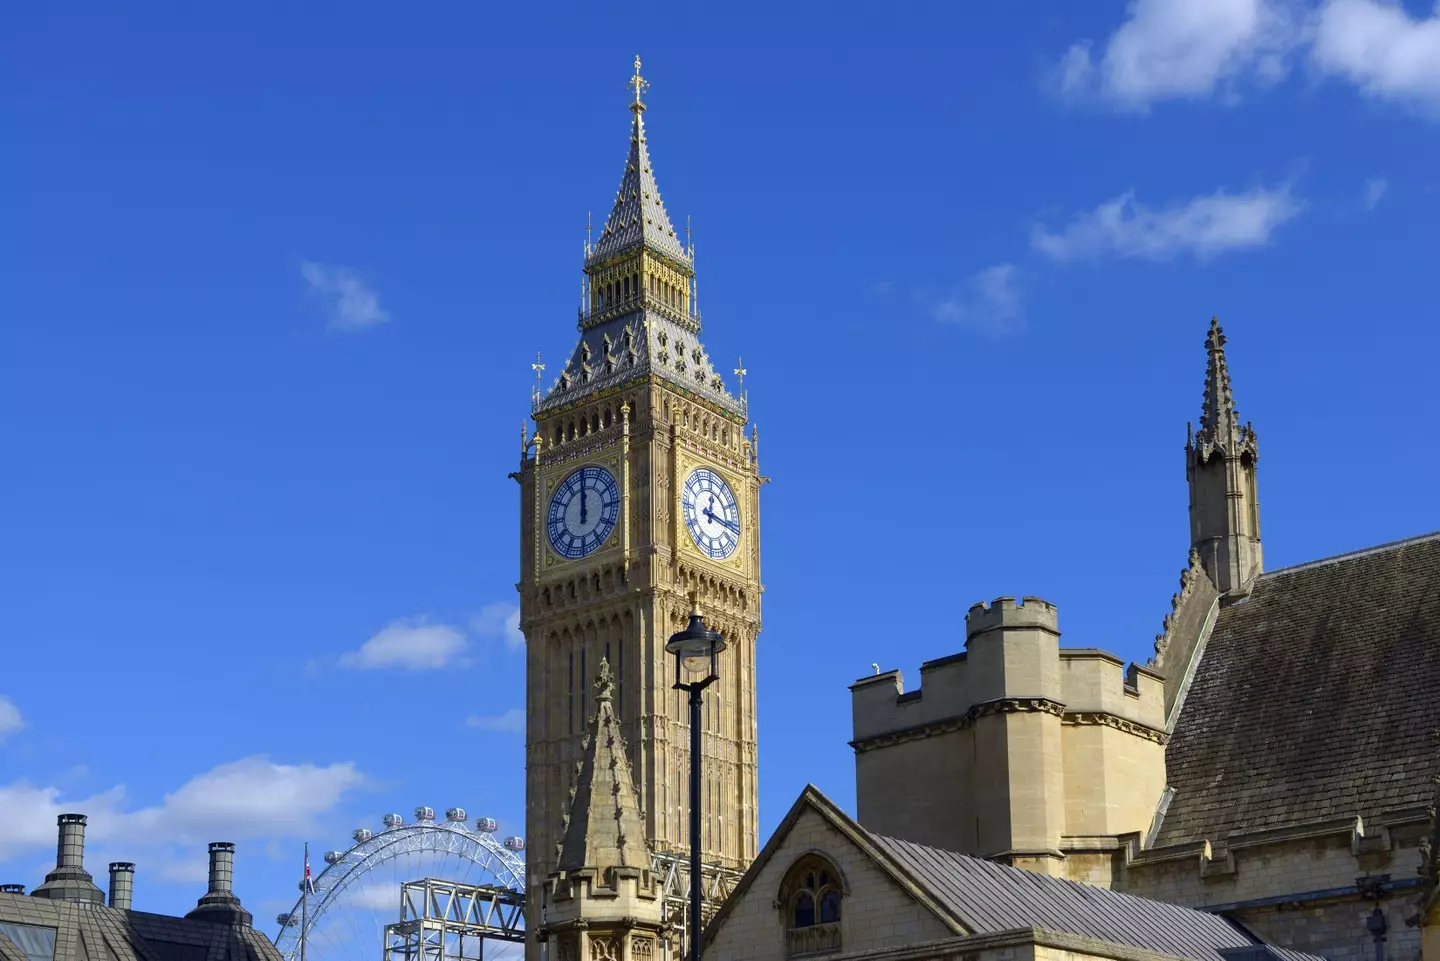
(639, 491)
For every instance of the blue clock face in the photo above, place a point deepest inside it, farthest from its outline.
(583, 512)
(711, 513)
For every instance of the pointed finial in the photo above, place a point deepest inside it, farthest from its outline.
(639, 85)
(604, 682)
(740, 371)
(1218, 418)
(587, 234)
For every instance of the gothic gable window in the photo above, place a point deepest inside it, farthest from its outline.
(811, 898)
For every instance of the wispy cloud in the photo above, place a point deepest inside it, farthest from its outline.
(1380, 48)
(352, 304)
(1202, 226)
(410, 644)
(1169, 49)
(1375, 191)
(10, 719)
(512, 721)
(499, 622)
(253, 797)
(988, 301)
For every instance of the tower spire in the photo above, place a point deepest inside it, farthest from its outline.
(1218, 419)
(605, 829)
(1220, 459)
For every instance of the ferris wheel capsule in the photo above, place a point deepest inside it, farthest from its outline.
(457, 814)
(424, 814)
(332, 856)
(486, 825)
(392, 820)
(361, 835)
(515, 844)
(285, 919)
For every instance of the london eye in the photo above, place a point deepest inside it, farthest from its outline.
(368, 896)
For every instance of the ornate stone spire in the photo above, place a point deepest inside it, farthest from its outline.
(604, 829)
(1220, 464)
(1219, 422)
(638, 316)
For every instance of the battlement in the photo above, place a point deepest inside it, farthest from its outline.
(1006, 613)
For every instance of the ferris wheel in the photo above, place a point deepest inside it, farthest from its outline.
(359, 891)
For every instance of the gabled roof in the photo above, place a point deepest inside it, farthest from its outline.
(973, 896)
(1314, 699)
(603, 828)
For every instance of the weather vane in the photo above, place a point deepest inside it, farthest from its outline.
(638, 84)
(539, 368)
(740, 371)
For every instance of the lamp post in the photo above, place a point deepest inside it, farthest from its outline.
(697, 652)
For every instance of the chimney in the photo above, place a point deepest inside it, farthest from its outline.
(69, 881)
(12, 889)
(220, 905)
(122, 884)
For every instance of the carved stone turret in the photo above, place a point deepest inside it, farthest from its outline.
(603, 903)
(1220, 459)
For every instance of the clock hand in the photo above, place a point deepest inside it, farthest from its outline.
(712, 516)
(582, 505)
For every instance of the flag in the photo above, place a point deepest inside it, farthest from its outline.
(309, 884)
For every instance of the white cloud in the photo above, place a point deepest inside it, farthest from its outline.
(10, 719)
(353, 304)
(500, 621)
(1379, 47)
(410, 644)
(1203, 226)
(1375, 191)
(1183, 48)
(512, 721)
(253, 797)
(989, 301)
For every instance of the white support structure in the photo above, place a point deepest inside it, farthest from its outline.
(445, 921)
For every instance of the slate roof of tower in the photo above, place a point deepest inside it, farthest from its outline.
(638, 216)
(1314, 699)
(603, 828)
(92, 932)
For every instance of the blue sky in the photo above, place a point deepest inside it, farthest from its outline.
(273, 277)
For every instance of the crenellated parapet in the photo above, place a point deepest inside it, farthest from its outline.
(1012, 746)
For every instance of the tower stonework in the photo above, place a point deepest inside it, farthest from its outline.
(1220, 459)
(638, 490)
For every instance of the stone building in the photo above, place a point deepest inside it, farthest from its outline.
(68, 918)
(639, 490)
(1272, 763)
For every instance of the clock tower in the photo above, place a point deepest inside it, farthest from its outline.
(639, 495)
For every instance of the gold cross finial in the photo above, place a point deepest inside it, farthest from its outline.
(740, 371)
(537, 367)
(639, 85)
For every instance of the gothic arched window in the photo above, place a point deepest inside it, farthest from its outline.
(811, 897)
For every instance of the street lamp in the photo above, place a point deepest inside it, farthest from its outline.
(697, 652)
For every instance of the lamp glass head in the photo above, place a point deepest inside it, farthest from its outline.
(696, 646)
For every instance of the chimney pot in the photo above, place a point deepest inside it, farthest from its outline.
(71, 851)
(222, 866)
(122, 884)
(69, 881)
(220, 904)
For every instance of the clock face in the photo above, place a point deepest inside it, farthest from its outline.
(711, 513)
(583, 511)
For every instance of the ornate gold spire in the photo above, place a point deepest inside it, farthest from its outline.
(638, 85)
